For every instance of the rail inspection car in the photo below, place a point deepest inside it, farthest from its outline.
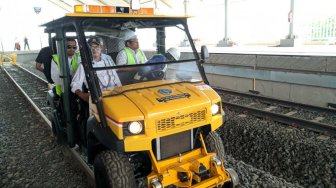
(156, 129)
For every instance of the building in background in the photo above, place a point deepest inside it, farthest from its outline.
(323, 31)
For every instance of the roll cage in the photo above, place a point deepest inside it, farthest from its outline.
(84, 25)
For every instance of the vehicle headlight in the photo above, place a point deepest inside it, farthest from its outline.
(214, 109)
(135, 127)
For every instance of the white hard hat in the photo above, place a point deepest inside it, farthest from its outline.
(175, 53)
(128, 35)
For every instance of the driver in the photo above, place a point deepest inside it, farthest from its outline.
(131, 54)
(108, 79)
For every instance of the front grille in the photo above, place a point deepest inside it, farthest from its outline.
(180, 121)
(173, 145)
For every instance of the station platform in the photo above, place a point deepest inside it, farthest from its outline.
(303, 74)
(312, 50)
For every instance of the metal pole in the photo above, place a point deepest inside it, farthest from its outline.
(289, 40)
(2, 49)
(226, 20)
(225, 41)
(291, 23)
(185, 42)
(37, 10)
(186, 2)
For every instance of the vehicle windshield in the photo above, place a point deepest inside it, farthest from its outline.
(130, 51)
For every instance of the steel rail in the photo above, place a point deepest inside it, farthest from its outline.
(28, 98)
(28, 71)
(87, 170)
(278, 101)
(293, 121)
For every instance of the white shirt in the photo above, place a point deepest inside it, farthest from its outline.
(122, 57)
(54, 70)
(108, 79)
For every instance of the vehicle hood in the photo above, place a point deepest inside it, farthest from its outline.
(163, 99)
(176, 102)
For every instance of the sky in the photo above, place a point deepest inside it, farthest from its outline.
(249, 21)
(18, 19)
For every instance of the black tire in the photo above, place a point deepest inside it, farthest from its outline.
(53, 128)
(113, 170)
(61, 137)
(214, 144)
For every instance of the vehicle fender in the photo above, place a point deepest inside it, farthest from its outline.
(100, 138)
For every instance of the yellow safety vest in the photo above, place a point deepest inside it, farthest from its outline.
(131, 58)
(74, 66)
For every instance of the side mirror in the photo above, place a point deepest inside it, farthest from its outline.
(204, 52)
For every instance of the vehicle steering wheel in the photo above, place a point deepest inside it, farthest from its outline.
(153, 75)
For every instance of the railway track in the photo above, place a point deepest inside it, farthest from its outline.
(318, 119)
(35, 90)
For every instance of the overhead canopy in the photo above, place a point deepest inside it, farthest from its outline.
(68, 5)
(114, 20)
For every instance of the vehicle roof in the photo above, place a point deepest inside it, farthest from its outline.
(70, 17)
(125, 15)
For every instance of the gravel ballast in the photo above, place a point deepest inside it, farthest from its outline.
(29, 156)
(297, 155)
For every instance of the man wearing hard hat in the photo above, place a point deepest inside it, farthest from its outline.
(131, 54)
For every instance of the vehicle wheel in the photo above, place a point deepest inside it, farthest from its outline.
(215, 144)
(234, 177)
(61, 137)
(113, 169)
(53, 128)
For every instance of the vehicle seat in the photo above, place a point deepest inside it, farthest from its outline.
(114, 46)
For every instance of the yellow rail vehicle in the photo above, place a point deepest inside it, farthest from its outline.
(154, 126)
